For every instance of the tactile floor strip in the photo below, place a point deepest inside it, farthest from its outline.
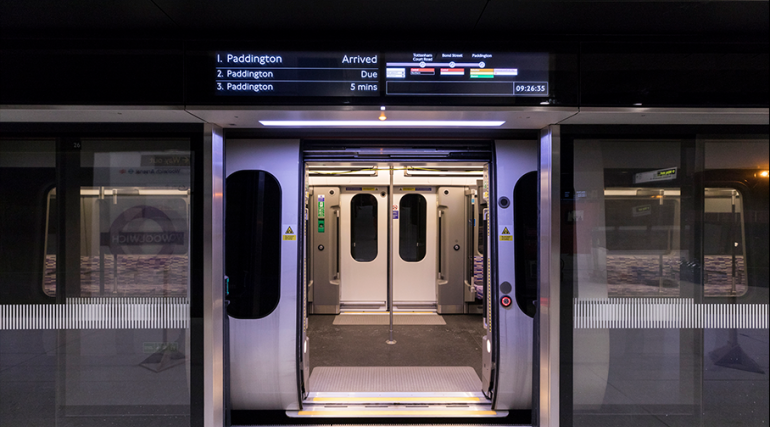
(394, 379)
(384, 319)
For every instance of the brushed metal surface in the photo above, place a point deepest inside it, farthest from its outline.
(514, 382)
(213, 273)
(263, 352)
(548, 260)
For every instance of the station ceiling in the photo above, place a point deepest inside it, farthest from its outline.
(379, 19)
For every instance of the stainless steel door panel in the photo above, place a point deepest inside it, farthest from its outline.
(263, 362)
(514, 365)
(263, 366)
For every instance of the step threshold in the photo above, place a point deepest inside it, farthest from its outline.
(328, 398)
(398, 411)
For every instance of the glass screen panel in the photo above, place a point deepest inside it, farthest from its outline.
(723, 243)
(102, 281)
(253, 243)
(412, 227)
(363, 227)
(665, 257)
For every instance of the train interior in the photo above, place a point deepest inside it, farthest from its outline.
(415, 340)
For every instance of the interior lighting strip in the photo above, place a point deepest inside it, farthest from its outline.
(396, 399)
(383, 123)
(392, 413)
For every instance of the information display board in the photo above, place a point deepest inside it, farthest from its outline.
(479, 74)
(253, 73)
(274, 74)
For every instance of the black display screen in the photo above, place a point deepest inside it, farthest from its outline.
(252, 73)
(479, 74)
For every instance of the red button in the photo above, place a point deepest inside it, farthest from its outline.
(506, 301)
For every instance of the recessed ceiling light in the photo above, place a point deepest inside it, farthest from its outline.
(381, 123)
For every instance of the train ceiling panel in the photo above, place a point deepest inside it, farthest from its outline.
(512, 117)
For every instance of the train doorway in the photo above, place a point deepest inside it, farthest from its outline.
(334, 249)
(394, 282)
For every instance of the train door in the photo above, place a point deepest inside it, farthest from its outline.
(292, 250)
(262, 261)
(414, 248)
(414, 225)
(363, 248)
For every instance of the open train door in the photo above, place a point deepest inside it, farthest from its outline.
(262, 259)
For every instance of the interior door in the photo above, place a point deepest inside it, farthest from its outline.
(363, 248)
(414, 247)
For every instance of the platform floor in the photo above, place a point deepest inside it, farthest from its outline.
(458, 343)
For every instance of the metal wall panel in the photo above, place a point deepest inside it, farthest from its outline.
(548, 260)
(325, 206)
(213, 301)
(453, 241)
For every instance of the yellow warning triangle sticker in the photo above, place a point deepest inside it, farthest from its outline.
(505, 231)
(289, 231)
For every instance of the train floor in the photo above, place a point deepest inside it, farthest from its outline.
(456, 344)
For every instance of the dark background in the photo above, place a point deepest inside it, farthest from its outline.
(156, 52)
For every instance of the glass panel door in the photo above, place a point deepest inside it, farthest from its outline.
(669, 281)
(95, 273)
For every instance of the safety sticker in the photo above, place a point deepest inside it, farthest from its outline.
(321, 206)
(395, 211)
(289, 234)
(505, 235)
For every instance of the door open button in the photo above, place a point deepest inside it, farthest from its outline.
(506, 301)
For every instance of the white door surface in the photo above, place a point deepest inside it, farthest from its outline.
(414, 253)
(364, 245)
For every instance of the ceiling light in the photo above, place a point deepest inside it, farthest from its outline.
(382, 122)
(764, 174)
